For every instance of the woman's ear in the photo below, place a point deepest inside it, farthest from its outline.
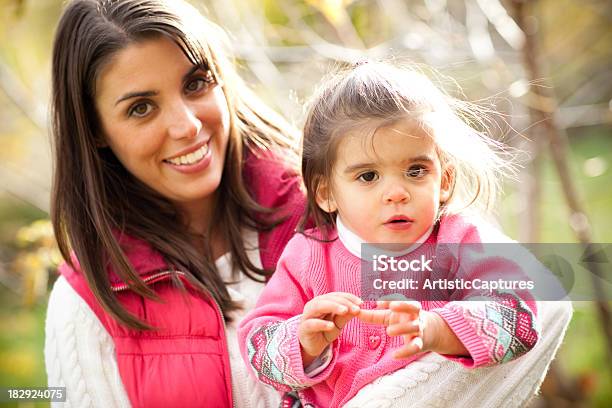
(447, 184)
(324, 198)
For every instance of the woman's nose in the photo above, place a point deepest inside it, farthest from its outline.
(183, 122)
(396, 194)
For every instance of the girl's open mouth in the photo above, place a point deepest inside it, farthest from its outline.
(399, 222)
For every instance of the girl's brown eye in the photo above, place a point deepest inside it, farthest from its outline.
(368, 176)
(416, 171)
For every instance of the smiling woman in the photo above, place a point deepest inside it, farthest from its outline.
(170, 205)
(167, 122)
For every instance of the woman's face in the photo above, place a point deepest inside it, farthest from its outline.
(166, 121)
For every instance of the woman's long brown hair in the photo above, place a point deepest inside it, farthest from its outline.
(94, 197)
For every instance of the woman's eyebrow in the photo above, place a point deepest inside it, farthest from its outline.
(137, 94)
(192, 70)
(145, 94)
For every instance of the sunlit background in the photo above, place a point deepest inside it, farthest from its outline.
(544, 65)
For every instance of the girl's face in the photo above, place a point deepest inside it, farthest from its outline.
(166, 121)
(387, 189)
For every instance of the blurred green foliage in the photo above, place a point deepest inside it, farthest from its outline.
(583, 354)
(590, 159)
(576, 39)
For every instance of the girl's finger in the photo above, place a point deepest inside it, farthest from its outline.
(349, 296)
(412, 307)
(321, 306)
(395, 318)
(405, 328)
(382, 304)
(408, 350)
(341, 321)
(316, 325)
(352, 307)
(375, 316)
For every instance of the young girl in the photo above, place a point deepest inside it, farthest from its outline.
(386, 159)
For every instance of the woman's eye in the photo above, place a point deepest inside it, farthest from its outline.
(196, 85)
(140, 109)
(201, 82)
(416, 171)
(368, 177)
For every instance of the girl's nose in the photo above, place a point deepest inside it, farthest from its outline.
(396, 194)
(183, 122)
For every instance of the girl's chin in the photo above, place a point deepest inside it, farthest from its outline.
(392, 245)
(399, 239)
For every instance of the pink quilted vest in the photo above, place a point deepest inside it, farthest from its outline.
(185, 362)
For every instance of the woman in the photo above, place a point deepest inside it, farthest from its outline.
(170, 206)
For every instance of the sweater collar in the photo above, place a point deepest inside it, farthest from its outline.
(352, 242)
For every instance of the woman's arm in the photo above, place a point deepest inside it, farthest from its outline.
(79, 353)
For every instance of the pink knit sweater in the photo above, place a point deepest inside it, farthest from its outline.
(493, 331)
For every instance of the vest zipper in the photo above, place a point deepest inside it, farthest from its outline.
(148, 279)
(162, 274)
(226, 347)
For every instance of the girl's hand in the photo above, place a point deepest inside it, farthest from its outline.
(402, 318)
(322, 320)
(421, 330)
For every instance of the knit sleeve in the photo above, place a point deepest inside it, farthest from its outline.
(497, 325)
(268, 336)
(493, 332)
(79, 353)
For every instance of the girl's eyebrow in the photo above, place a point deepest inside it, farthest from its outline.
(422, 158)
(359, 166)
(147, 94)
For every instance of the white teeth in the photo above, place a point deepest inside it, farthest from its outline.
(190, 158)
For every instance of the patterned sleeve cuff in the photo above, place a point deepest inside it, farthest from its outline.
(275, 356)
(493, 332)
(467, 335)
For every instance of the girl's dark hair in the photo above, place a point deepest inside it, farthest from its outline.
(94, 198)
(370, 95)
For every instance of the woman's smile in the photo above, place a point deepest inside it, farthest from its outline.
(192, 162)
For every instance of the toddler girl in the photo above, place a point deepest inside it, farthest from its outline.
(386, 159)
